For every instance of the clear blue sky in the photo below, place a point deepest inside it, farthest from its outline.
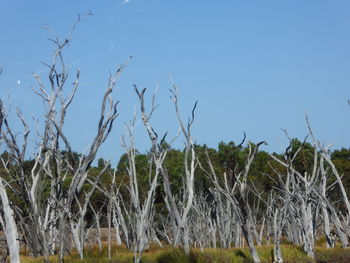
(255, 66)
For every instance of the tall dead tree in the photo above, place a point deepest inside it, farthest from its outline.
(331, 217)
(7, 219)
(179, 210)
(46, 220)
(54, 134)
(301, 188)
(77, 220)
(237, 194)
(225, 220)
(328, 210)
(137, 216)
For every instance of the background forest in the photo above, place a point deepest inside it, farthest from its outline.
(225, 158)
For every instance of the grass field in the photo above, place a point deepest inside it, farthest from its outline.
(291, 254)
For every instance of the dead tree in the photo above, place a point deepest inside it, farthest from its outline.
(345, 199)
(46, 220)
(328, 210)
(278, 224)
(7, 219)
(225, 220)
(301, 188)
(61, 166)
(203, 232)
(179, 211)
(276, 216)
(8, 224)
(139, 214)
(77, 221)
(97, 225)
(238, 195)
(115, 212)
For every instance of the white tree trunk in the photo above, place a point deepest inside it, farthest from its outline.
(277, 231)
(9, 225)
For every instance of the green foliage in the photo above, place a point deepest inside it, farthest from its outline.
(202, 181)
(341, 160)
(342, 154)
(174, 163)
(304, 160)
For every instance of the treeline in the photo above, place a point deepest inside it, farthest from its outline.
(226, 158)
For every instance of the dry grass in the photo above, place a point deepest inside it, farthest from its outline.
(168, 254)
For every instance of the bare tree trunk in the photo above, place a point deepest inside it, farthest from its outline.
(62, 237)
(179, 213)
(139, 211)
(246, 228)
(261, 232)
(9, 225)
(237, 194)
(97, 215)
(326, 221)
(309, 233)
(277, 232)
(109, 219)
